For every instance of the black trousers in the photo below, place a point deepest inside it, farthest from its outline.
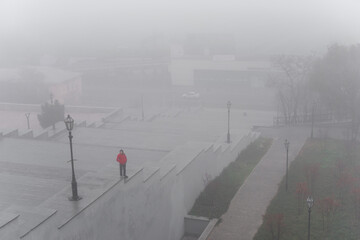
(123, 170)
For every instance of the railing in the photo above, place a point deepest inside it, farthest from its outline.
(303, 119)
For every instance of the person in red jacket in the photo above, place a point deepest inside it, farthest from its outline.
(121, 159)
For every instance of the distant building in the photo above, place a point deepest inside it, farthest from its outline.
(248, 84)
(212, 61)
(131, 72)
(65, 86)
(219, 71)
(35, 84)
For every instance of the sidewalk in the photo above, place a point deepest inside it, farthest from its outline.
(244, 215)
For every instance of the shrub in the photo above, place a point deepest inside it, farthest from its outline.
(275, 224)
(51, 114)
(327, 207)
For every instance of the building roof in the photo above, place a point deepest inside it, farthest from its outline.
(50, 75)
(54, 75)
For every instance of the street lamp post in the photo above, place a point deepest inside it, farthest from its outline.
(27, 115)
(228, 134)
(51, 99)
(69, 123)
(310, 203)
(142, 107)
(312, 120)
(287, 144)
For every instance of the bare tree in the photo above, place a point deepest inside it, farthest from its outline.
(336, 77)
(292, 84)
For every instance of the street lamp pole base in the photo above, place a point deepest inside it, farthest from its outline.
(228, 138)
(72, 198)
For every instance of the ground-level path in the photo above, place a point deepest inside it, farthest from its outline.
(244, 215)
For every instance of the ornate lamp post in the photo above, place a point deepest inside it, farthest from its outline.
(310, 203)
(69, 123)
(287, 144)
(228, 134)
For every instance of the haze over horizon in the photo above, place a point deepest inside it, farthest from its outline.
(259, 27)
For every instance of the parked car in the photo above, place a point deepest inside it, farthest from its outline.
(191, 95)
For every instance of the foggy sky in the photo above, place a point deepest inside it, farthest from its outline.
(262, 26)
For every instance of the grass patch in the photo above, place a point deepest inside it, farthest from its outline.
(215, 199)
(328, 170)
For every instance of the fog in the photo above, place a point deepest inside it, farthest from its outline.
(260, 27)
(183, 87)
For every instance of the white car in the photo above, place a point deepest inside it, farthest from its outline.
(191, 95)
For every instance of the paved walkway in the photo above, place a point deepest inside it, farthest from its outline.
(244, 216)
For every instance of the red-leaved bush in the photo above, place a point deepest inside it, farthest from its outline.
(275, 223)
(327, 207)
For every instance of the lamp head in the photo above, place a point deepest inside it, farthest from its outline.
(228, 104)
(286, 143)
(69, 123)
(310, 202)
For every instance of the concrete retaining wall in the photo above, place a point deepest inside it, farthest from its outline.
(195, 226)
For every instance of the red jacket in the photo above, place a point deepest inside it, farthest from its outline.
(121, 158)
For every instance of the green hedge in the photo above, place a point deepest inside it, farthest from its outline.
(215, 199)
